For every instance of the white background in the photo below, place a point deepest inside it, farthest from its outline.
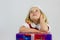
(13, 13)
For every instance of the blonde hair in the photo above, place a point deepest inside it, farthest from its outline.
(28, 20)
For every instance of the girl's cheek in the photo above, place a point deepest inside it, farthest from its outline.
(38, 14)
(31, 15)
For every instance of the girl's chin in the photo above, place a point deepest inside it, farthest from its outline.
(34, 17)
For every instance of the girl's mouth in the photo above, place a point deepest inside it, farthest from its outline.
(34, 15)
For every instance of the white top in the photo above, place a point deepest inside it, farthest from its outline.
(34, 25)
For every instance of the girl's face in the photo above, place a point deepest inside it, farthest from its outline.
(35, 13)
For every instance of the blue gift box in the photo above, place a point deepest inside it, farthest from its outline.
(20, 36)
(48, 37)
(27, 37)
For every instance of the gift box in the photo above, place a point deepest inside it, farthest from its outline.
(23, 36)
(35, 36)
(19, 36)
(27, 37)
(42, 37)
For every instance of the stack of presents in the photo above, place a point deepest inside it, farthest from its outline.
(33, 36)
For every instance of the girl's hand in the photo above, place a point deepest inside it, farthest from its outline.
(41, 19)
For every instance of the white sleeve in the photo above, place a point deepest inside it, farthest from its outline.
(26, 25)
(39, 27)
(49, 27)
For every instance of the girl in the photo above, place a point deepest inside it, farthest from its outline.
(36, 21)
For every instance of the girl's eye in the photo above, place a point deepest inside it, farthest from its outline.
(36, 10)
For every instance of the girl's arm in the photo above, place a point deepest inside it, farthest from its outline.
(44, 27)
(24, 29)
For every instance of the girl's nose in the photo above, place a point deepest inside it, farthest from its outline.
(34, 11)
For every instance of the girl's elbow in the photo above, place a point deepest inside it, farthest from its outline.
(44, 30)
(21, 29)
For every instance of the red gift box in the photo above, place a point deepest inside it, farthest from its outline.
(39, 37)
(42, 36)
